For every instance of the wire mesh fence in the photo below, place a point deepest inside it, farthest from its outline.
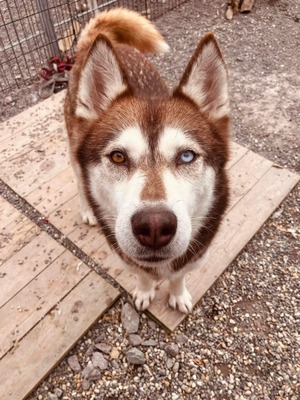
(33, 31)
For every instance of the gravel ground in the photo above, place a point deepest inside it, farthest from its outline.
(242, 340)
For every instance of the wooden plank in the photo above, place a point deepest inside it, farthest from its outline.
(244, 173)
(42, 113)
(26, 264)
(236, 152)
(32, 138)
(30, 304)
(51, 195)
(30, 170)
(47, 343)
(16, 230)
(238, 228)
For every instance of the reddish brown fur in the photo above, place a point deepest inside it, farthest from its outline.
(146, 103)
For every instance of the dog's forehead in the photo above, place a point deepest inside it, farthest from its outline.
(172, 139)
(132, 139)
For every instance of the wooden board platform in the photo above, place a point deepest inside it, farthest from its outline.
(39, 171)
(48, 300)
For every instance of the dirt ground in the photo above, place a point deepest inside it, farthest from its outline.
(242, 339)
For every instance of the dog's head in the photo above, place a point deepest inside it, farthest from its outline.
(153, 165)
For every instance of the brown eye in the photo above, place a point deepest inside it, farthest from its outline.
(117, 157)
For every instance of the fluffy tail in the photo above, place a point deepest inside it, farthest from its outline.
(120, 25)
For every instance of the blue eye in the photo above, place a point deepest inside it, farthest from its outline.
(186, 157)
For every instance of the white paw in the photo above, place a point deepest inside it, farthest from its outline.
(182, 302)
(142, 298)
(88, 216)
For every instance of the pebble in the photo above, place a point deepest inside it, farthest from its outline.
(8, 100)
(170, 363)
(135, 356)
(87, 370)
(152, 324)
(58, 392)
(105, 348)
(52, 396)
(114, 354)
(94, 375)
(130, 319)
(34, 97)
(135, 340)
(150, 343)
(180, 338)
(90, 350)
(99, 361)
(171, 349)
(74, 363)
(85, 384)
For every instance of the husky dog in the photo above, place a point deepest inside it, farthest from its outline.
(150, 165)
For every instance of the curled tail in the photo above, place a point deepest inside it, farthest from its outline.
(124, 26)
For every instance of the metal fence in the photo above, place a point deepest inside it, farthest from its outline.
(33, 31)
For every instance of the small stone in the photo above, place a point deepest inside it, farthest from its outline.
(87, 370)
(52, 396)
(152, 324)
(180, 338)
(130, 319)
(90, 350)
(74, 363)
(172, 349)
(34, 97)
(100, 338)
(135, 340)
(176, 367)
(149, 343)
(94, 375)
(114, 354)
(105, 348)
(135, 356)
(85, 384)
(58, 392)
(8, 100)
(169, 363)
(115, 364)
(99, 361)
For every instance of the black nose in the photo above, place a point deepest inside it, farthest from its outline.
(154, 228)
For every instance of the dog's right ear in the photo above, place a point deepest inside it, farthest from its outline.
(101, 80)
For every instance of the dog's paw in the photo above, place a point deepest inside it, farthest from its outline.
(182, 302)
(88, 217)
(142, 298)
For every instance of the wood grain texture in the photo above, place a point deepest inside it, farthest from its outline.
(28, 306)
(46, 344)
(16, 230)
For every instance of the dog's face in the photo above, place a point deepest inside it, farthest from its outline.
(151, 166)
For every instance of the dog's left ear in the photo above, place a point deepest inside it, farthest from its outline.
(205, 80)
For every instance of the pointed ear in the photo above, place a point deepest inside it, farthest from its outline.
(101, 80)
(205, 79)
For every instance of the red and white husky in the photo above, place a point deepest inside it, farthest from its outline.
(149, 164)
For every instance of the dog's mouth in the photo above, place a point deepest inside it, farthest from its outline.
(153, 259)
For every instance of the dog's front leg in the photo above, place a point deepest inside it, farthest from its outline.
(179, 295)
(144, 291)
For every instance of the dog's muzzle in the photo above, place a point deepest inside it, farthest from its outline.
(154, 228)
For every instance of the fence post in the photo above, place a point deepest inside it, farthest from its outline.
(48, 27)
